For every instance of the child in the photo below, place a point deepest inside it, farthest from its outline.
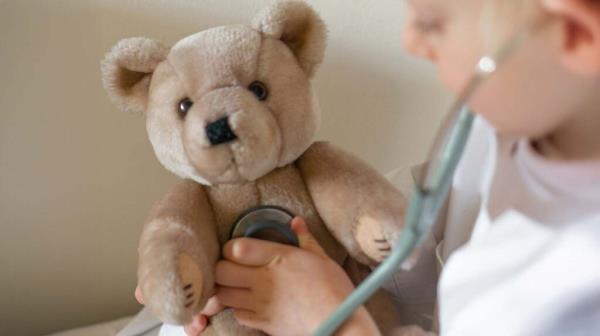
(521, 233)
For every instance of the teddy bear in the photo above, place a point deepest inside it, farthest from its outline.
(231, 111)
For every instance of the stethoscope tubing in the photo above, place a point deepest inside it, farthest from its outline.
(422, 213)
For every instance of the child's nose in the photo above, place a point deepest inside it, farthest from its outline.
(418, 45)
(416, 42)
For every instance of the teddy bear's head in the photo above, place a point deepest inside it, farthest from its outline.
(229, 104)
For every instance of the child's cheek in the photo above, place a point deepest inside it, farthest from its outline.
(455, 68)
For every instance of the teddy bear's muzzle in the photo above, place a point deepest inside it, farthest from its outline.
(220, 132)
(230, 136)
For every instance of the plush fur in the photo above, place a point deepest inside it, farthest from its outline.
(352, 211)
(127, 70)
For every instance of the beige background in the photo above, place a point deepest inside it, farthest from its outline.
(77, 177)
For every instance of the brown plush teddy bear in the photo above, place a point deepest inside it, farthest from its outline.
(231, 111)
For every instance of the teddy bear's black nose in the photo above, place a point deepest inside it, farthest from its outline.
(219, 132)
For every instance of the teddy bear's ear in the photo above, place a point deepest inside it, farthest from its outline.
(127, 70)
(300, 27)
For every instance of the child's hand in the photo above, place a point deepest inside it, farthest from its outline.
(284, 290)
(213, 307)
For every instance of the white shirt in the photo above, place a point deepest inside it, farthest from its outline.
(532, 263)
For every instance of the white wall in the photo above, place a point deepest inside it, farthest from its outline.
(77, 177)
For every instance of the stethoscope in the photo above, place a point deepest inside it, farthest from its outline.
(431, 190)
(267, 223)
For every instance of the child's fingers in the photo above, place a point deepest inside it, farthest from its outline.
(252, 252)
(255, 252)
(212, 307)
(237, 298)
(231, 274)
(307, 240)
(198, 325)
(138, 295)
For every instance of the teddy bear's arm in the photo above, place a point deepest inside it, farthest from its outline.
(359, 206)
(177, 254)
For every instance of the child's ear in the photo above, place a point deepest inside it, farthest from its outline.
(580, 30)
(300, 27)
(127, 70)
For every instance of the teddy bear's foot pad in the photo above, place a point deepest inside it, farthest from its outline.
(191, 279)
(371, 239)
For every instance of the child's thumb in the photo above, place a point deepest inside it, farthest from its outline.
(307, 240)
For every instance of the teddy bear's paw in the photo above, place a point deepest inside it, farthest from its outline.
(372, 239)
(376, 243)
(191, 282)
(174, 291)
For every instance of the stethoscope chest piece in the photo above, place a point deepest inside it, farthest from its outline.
(267, 223)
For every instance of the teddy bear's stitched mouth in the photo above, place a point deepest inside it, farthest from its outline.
(227, 170)
(232, 164)
(231, 170)
(235, 169)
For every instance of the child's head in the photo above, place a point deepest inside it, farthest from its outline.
(551, 79)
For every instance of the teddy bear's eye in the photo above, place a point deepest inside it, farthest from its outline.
(260, 90)
(184, 106)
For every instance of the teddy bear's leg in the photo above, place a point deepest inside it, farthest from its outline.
(177, 254)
